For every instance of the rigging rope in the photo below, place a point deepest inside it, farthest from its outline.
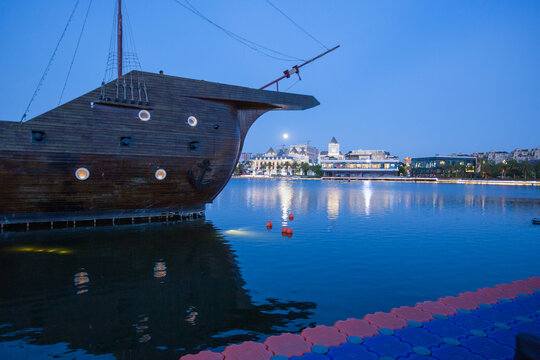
(251, 44)
(295, 24)
(75, 53)
(50, 63)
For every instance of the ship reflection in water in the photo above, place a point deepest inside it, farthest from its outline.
(132, 292)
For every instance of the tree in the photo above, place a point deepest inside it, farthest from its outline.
(239, 170)
(305, 167)
(402, 169)
(317, 169)
(294, 167)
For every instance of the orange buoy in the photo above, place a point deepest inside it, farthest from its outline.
(289, 231)
(291, 217)
(269, 224)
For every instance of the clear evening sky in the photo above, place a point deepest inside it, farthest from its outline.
(412, 77)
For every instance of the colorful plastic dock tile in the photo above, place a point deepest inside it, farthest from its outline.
(385, 320)
(436, 308)
(203, 355)
(324, 335)
(351, 352)
(479, 325)
(418, 336)
(288, 344)
(247, 350)
(356, 327)
(449, 352)
(412, 314)
(385, 345)
(487, 348)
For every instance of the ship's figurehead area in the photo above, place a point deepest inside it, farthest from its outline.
(111, 154)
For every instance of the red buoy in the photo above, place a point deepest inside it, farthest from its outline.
(289, 231)
(284, 230)
(269, 225)
(291, 217)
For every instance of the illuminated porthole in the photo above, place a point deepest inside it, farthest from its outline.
(192, 121)
(160, 174)
(144, 115)
(82, 173)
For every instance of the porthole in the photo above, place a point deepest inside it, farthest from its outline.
(192, 121)
(82, 173)
(160, 174)
(144, 115)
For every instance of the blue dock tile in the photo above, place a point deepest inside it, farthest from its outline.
(418, 336)
(532, 303)
(444, 328)
(449, 352)
(504, 337)
(413, 357)
(488, 348)
(512, 309)
(311, 356)
(351, 352)
(470, 322)
(385, 345)
(529, 328)
(493, 315)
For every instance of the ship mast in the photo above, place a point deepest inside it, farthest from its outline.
(119, 38)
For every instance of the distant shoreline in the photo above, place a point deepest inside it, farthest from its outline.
(404, 179)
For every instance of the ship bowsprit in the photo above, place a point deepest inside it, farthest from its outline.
(105, 155)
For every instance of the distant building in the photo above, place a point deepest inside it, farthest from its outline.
(369, 155)
(495, 156)
(333, 152)
(283, 162)
(245, 157)
(311, 152)
(532, 155)
(357, 163)
(444, 166)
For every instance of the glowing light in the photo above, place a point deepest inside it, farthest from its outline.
(240, 232)
(285, 136)
(160, 174)
(82, 174)
(41, 250)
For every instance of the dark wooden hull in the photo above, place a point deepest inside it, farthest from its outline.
(37, 176)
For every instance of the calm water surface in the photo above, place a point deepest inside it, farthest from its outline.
(162, 290)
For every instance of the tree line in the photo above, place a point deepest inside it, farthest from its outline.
(295, 167)
(511, 169)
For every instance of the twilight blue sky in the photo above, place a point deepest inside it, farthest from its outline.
(412, 77)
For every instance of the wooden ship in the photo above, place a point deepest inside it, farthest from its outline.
(140, 146)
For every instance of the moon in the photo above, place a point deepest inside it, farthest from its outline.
(285, 136)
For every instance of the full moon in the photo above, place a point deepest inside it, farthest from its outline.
(285, 136)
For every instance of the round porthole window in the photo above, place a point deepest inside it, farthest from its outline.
(192, 121)
(144, 115)
(82, 173)
(160, 174)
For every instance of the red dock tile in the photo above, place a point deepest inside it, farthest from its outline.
(412, 314)
(203, 355)
(324, 335)
(459, 303)
(533, 282)
(507, 291)
(478, 297)
(356, 327)
(288, 344)
(385, 320)
(247, 350)
(436, 308)
(522, 286)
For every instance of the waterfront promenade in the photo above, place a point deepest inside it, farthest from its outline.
(476, 325)
(406, 179)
